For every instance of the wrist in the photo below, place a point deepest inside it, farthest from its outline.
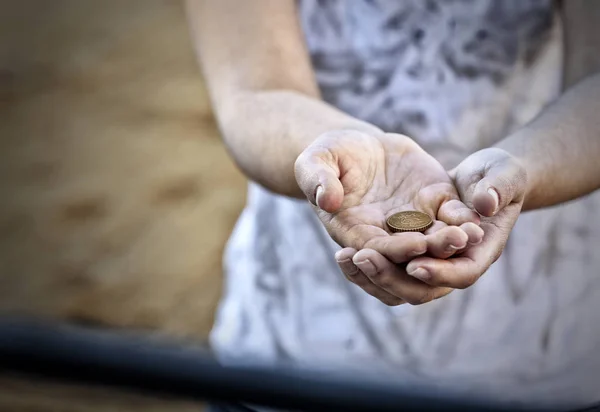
(266, 131)
(518, 146)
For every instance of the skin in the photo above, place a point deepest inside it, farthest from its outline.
(485, 172)
(526, 177)
(359, 180)
(553, 159)
(256, 67)
(261, 70)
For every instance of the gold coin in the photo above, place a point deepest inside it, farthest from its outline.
(409, 221)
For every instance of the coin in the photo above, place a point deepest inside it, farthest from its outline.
(409, 221)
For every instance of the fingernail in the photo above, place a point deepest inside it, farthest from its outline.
(417, 252)
(318, 194)
(367, 267)
(494, 194)
(420, 273)
(452, 248)
(347, 266)
(476, 243)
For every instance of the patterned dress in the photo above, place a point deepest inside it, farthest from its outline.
(457, 76)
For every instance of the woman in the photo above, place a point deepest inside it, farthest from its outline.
(315, 100)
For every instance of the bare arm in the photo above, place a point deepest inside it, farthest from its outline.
(262, 85)
(561, 148)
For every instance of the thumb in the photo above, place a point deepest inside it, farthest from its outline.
(502, 181)
(317, 174)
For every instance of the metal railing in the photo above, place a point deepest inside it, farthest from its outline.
(82, 355)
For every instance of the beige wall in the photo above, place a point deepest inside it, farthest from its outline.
(117, 193)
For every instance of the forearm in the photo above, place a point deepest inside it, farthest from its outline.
(262, 86)
(265, 131)
(560, 149)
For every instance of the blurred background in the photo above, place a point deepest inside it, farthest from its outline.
(118, 195)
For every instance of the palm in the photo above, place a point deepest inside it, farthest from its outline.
(380, 176)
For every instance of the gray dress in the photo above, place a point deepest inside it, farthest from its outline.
(456, 76)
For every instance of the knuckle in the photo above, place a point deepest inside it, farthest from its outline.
(385, 282)
(357, 280)
(351, 239)
(424, 297)
(467, 280)
(413, 301)
(300, 163)
(351, 272)
(443, 292)
(415, 238)
(440, 280)
(377, 243)
(391, 301)
(427, 297)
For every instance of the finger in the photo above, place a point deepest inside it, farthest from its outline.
(500, 187)
(474, 233)
(491, 182)
(356, 276)
(454, 212)
(400, 247)
(437, 225)
(462, 271)
(474, 236)
(345, 254)
(441, 200)
(459, 272)
(356, 236)
(446, 242)
(317, 174)
(394, 280)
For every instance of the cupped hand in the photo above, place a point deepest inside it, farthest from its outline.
(356, 180)
(494, 183)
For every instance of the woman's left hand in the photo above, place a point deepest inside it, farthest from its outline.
(493, 183)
